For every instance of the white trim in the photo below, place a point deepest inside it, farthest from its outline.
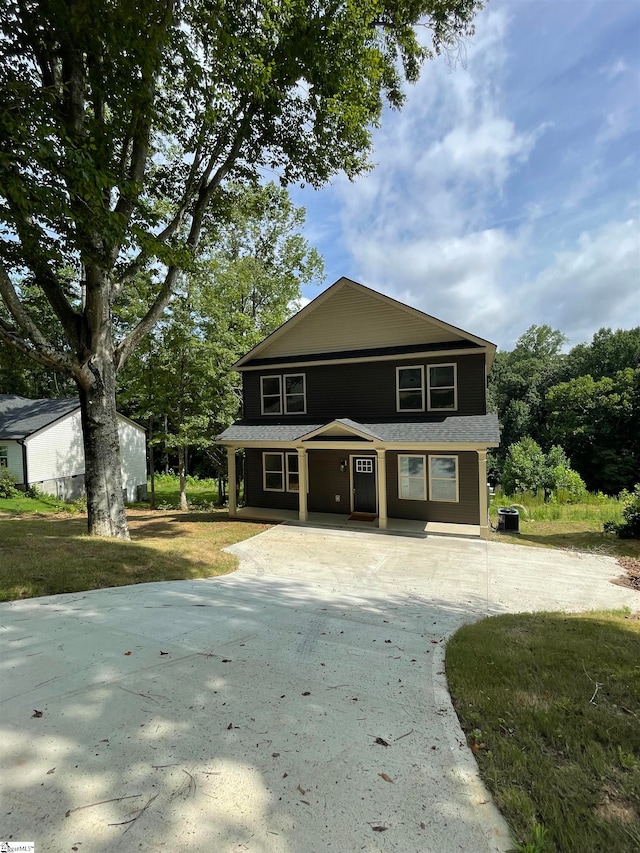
(375, 444)
(419, 367)
(264, 470)
(412, 476)
(457, 461)
(262, 394)
(286, 376)
(309, 361)
(295, 453)
(326, 429)
(431, 408)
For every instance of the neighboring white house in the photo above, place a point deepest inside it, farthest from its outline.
(41, 444)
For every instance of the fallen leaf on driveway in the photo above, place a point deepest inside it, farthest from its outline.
(379, 828)
(36, 714)
(164, 653)
(381, 742)
(302, 790)
(127, 653)
(49, 772)
(307, 693)
(385, 777)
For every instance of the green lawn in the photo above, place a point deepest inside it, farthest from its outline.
(201, 494)
(550, 704)
(49, 555)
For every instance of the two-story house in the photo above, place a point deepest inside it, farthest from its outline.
(364, 407)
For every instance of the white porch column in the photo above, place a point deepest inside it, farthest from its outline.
(302, 484)
(231, 468)
(382, 488)
(482, 486)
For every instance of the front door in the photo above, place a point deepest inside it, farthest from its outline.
(364, 484)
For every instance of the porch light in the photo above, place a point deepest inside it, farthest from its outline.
(343, 466)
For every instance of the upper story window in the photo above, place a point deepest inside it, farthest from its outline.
(410, 388)
(4, 457)
(442, 391)
(283, 394)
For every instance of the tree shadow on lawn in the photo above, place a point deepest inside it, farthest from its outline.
(51, 556)
(236, 711)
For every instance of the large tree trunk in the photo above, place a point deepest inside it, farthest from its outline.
(103, 473)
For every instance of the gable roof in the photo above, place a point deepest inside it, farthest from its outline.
(349, 317)
(20, 418)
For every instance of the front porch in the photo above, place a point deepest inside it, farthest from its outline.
(397, 526)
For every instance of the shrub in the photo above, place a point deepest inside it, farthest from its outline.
(629, 528)
(7, 484)
(524, 468)
(566, 484)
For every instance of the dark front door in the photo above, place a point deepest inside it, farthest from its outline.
(364, 484)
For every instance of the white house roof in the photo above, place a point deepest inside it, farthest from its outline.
(350, 318)
(20, 417)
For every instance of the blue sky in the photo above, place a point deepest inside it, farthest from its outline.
(506, 192)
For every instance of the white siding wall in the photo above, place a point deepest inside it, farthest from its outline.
(14, 457)
(56, 451)
(133, 457)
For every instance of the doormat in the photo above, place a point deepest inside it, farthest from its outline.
(363, 516)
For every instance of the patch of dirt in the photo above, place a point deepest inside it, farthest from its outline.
(611, 807)
(631, 576)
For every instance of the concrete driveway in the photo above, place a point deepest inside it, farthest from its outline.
(246, 712)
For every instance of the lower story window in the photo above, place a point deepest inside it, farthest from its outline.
(443, 478)
(412, 478)
(273, 472)
(4, 457)
(281, 472)
(293, 473)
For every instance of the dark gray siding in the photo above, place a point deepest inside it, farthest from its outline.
(254, 493)
(367, 390)
(466, 511)
(326, 481)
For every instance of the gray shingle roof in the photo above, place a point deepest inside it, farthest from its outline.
(20, 417)
(475, 429)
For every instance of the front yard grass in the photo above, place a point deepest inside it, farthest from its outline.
(550, 704)
(46, 556)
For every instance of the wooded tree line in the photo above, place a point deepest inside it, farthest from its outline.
(585, 401)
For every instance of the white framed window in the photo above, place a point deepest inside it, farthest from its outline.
(273, 472)
(410, 388)
(412, 477)
(364, 466)
(442, 387)
(443, 478)
(295, 396)
(271, 395)
(4, 456)
(283, 394)
(293, 472)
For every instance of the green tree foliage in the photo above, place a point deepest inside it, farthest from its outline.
(525, 467)
(608, 353)
(120, 124)
(596, 421)
(528, 469)
(247, 283)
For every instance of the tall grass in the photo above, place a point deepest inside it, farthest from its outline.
(593, 508)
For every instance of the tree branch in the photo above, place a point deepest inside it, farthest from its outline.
(126, 346)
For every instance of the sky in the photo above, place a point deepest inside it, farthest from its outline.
(506, 192)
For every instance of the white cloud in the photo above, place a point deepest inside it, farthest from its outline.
(597, 279)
